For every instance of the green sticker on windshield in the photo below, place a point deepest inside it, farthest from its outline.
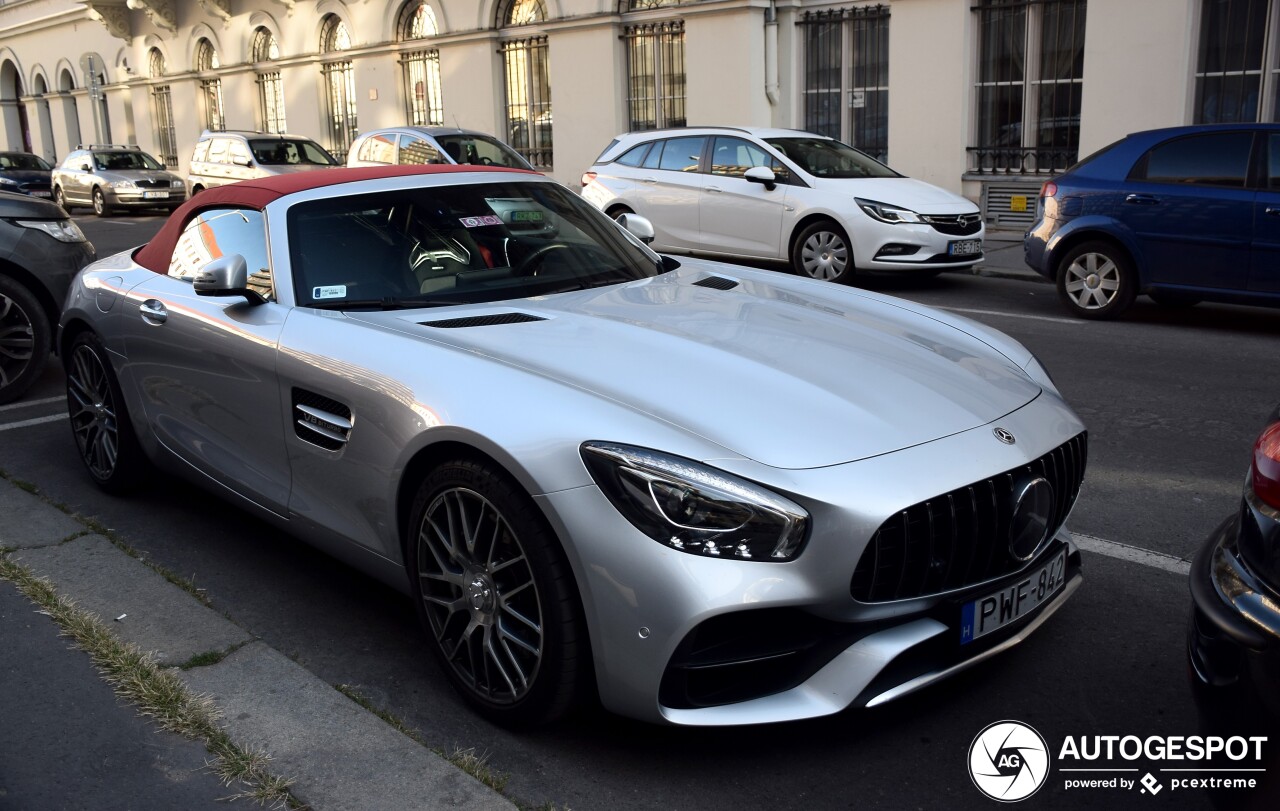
(526, 216)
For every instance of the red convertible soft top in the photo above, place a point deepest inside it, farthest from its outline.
(256, 194)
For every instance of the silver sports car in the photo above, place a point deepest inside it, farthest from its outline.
(719, 495)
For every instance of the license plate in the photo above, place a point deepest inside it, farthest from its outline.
(41, 194)
(1014, 601)
(155, 195)
(964, 247)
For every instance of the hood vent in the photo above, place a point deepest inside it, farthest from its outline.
(717, 283)
(482, 320)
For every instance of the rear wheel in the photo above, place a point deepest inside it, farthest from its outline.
(1096, 280)
(822, 251)
(495, 595)
(618, 211)
(24, 339)
(99, 421)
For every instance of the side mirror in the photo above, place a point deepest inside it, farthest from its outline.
(226, 276)
(240, 160)
(84, 167)
(762, 174)
(637, 226)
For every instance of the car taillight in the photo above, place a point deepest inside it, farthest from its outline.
(1049, 189)
(587, 177)
(1266, 465)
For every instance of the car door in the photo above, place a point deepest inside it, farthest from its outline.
(1264, 267)
(669, 186)
(736, 215)
(1189, 203)
(205, 367)
(77, 172)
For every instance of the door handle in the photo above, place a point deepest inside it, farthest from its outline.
(153, 311)
(1142, 200)
(714, 189)
(648, 180)
(1273, 211)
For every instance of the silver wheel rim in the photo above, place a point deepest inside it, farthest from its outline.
(99, 204)
(824, 255)
(17, 341)
(59, 199)
(93, 412)
(480, 596)
(1092, 281)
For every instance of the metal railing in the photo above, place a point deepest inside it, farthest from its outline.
(1013, 160)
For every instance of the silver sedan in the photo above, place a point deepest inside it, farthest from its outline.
(716, 495)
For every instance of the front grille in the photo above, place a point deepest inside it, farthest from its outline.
(961, 538)
(144, 183)
(956, 225)
(34, 186)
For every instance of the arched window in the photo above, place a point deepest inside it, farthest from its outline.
(640, 5)
(421, 66)
(339, 85)
(528, 82)
(263, 48)
(210, 86)
(162, 109)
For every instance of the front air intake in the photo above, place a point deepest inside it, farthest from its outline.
(482, 321)
(717, 283)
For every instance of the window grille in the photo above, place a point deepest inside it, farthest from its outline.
(264, 48)
(162, 110)
(520, 12)
(1030, 78)
(339, 86)
(846, 76)
(528, 88)
(656, 75)
(210, 87)
(1237, 69)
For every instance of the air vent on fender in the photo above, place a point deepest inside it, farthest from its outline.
(482, 320)
(717, 283)
(320, 421)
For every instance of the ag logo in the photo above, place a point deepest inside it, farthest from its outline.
(1008, 761)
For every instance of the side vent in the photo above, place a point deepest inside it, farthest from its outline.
(482, 321)
(717, 283)
(322, 422)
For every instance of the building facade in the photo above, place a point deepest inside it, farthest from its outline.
(983, 97)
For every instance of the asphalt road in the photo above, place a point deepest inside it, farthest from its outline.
(1173, 400)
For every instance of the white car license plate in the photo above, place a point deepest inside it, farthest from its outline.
(155, 195)
(964, 247)
(1014, 601)
(41, 194)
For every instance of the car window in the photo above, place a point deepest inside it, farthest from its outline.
(201, 150)
(481, 149)
(634, 156)
(238, 152)
(378, 149)
(218, 150)
(1273, 162)
(682, 154)
(654, 157)
(417, 151)
(74, 160)
(218, 232)
(19, 160)
(125, 161)
(732, 157)
(1215, 159)
(455, 244)
(824, 157)
(289, 152)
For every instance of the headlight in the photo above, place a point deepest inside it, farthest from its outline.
(695, 508)
(122, 184)
(4, 181)
(887, 213)
(175, 184)
(61, 230)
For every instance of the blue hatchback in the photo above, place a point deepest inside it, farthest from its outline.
(1184, 214)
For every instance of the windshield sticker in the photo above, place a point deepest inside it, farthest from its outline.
(526, 216)
(333, 291)
(477, 222)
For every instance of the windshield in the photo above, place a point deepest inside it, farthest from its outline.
(823, 157)
(290, 151)
(19, 160)
(455, 245)
(481, 149)
(116, 161)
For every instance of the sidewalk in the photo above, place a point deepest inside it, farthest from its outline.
(67, 741)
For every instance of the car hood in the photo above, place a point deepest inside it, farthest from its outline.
(907, 192)
(26, 175)
(137, 174)
(778, 373)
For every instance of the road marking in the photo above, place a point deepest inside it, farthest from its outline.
(45, 401)
(1133, 554)
(28, 423)
(1073, 321)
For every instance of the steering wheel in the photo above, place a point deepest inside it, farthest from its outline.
(528, 265)
(485, 161)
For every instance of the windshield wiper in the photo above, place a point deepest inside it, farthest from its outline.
(388, 303)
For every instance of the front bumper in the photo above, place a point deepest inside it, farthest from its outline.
(645, 601)
(900, 247)
(137, 198)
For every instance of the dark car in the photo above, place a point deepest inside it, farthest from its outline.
(1233, 638)
(40, 251)
(24, 173)
(1182, 215)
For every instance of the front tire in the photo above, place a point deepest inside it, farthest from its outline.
(25, 336)
(99, 420)
(822, 251)
(1096, 281)
(100, 206)
(496, 596)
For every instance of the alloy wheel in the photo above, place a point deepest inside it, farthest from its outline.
(17, 340)
(99, 203)
(480, 595)
(824, 255)
(93, 412)
(1092, 281)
